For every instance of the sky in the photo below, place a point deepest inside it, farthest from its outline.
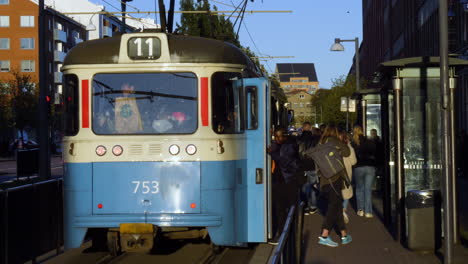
(307, 33)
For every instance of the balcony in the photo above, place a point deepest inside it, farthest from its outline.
(58, 77)
(106, 31)
(59, 56)
(60, 35)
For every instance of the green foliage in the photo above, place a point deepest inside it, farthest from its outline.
(215, 26)
(19, 99)
(205, 25)
(329, 101)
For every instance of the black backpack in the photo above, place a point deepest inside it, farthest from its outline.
(327, 158)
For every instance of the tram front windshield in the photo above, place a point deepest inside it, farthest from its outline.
(144, 103)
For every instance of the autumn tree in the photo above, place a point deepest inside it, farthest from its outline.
(19, 100)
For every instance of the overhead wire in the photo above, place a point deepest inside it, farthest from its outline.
(250, 36)
(221, 3)
(125, 3)
(127, 15)
(240, 3)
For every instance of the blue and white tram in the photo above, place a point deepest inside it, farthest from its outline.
(165, 134)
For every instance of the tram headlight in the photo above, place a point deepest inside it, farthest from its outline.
(101, 150)
(191, 149)
(117, 150)
(174, 149)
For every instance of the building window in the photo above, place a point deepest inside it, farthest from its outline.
(4, 66)
(27, 66)
(27, 43)
(301, 96)
(27, 21)
(4, 43)
(4, 21)
(4, 2)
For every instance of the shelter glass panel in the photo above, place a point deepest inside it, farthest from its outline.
(422, 130)
(144, 103)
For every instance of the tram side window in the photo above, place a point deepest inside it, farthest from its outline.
(252, 107)
(227, 103)
(71, 108)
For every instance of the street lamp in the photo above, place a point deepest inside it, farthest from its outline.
(338, 47)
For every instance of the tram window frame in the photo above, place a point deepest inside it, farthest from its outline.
(220, 108)
(114, 133)
(71, 120)
(251, 97)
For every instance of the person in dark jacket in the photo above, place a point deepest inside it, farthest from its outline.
(331, 189)
(307, 140)
(364, 171)
(284, 153)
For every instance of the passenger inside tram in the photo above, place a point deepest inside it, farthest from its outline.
(127, 115)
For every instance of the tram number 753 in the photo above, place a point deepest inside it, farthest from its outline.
(146, 186)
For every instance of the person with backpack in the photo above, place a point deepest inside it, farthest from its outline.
(349, 161)
(328, 157)
(364, 171)
(307, 140)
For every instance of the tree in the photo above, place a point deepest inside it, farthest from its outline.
(329, 101)
(19, 100)
(205, 25)
(210, 26)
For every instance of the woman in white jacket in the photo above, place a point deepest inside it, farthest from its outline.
(349, 161)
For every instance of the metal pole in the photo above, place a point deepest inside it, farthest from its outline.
(170, 20)
(347, 114)
(162, 15)
(453, 86)
(123, 6)
(446, 126)
(363, 113)
(44, 148)
(358, 87)
(400, 229)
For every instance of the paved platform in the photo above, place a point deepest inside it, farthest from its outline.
(371, 244)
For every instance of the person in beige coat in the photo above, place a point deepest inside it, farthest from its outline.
(347, 191)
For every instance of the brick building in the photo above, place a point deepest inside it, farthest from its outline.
(19, 41)
(395, 29)
(297, 77)
(301, 103)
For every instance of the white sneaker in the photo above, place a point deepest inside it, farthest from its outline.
(360, 213)
(369, 215)
(345, 217)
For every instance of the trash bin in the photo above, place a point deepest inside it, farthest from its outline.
(423, 220)
(27, 161)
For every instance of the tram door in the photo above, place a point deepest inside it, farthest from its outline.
(257, 180)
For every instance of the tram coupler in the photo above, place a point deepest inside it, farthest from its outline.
(137, 236)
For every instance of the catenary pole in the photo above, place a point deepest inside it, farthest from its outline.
(44, 146)
(446, 128)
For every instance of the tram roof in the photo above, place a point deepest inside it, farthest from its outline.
(182, 49)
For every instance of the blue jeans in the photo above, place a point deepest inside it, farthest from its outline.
(310, 191)
(345, 203)
(364, 177)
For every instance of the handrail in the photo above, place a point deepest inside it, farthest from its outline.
(21, 187)
(278, 250)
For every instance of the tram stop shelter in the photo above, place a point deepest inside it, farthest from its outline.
(404, 106)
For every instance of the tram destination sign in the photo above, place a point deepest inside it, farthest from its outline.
(144, 48)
